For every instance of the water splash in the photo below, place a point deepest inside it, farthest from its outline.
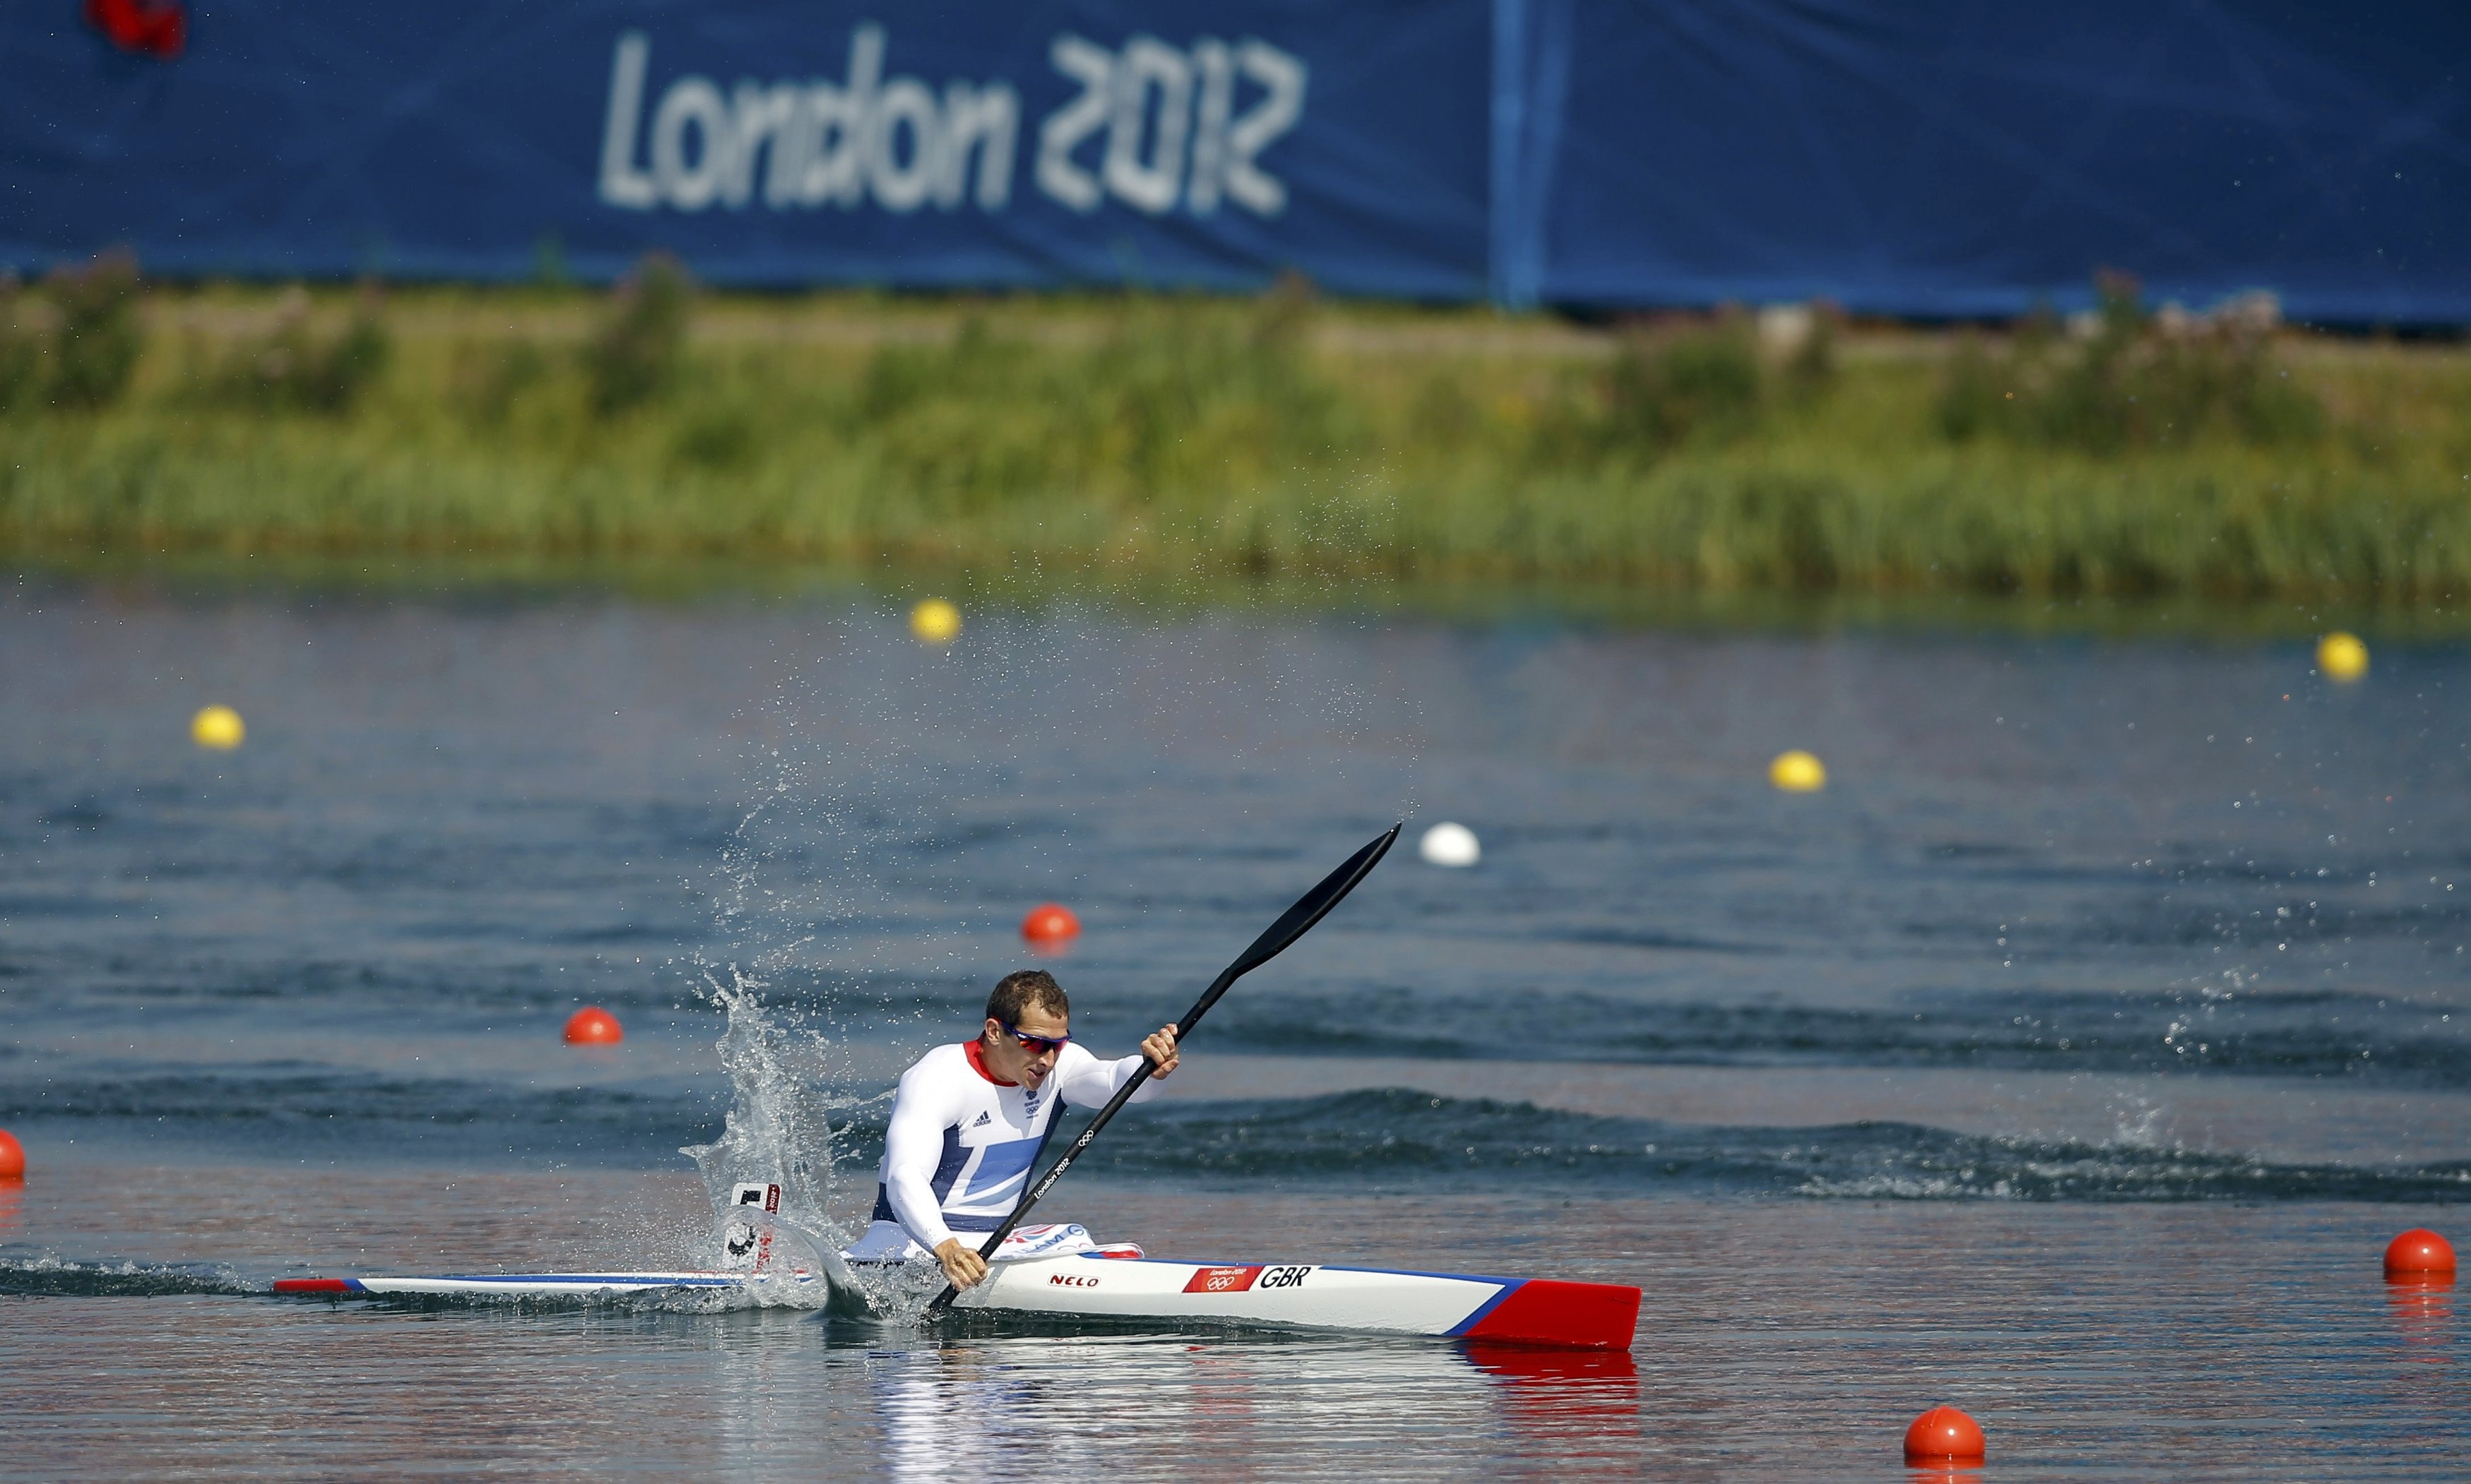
(781, 1126)
(55, 1276)
(2139, 1122)
(874, 767)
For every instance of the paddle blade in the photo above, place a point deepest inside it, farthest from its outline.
(1315, 905)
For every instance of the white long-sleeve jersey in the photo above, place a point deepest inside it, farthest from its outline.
(961, 1144)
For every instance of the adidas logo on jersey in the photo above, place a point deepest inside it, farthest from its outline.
(983, 1121)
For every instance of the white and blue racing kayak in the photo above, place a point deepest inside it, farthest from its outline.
(1060, 1273)
(1094, 1286)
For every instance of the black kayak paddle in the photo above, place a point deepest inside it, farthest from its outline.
(1297, 921)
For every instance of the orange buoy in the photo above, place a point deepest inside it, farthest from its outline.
(13, 1157)
(593, 1025)
(1049, 923)
(2419, 1255)
(1943, 1435)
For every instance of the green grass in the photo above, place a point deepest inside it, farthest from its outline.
(1272, 437)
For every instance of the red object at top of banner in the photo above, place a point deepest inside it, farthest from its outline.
(157, 28)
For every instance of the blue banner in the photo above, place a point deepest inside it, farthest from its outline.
(1963, 157)
(1926, 158)
(765, 141)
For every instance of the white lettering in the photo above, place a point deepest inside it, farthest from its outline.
(986, 120)
(835, 136)
(1174, 121)
(622, 183)
(1217, 68)
(1093, 66)
(765, 116)
(1153, 183)
(898, 187)
(1152, 99)
(1247, 184)
(691, 102)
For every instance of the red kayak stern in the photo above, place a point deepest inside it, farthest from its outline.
(1547, 1311)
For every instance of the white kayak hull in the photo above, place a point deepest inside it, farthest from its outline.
(1300, 1296)
(1317, 1296)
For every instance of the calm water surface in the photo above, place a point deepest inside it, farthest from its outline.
(2069, 1058)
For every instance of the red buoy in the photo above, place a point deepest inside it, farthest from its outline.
(1943, 1435)
(13, 1157)
(2419, 1255)
(1049, 923)
(593, 1025)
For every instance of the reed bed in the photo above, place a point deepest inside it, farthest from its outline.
(2133, 455)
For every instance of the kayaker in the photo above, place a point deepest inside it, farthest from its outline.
(969, 1119)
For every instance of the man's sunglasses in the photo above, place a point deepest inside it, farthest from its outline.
(1035, 1045)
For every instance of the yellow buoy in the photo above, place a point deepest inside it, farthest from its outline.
(1797, 773)
(935, 621)
(2342, 656)
(219, 727)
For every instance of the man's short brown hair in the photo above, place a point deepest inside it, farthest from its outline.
(1023, 988)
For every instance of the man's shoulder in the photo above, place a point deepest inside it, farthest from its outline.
(942, 1063)
(943, 1056)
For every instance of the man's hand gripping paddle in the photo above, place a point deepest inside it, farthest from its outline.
(1298, 920)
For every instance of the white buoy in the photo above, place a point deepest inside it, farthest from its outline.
(1449, 844)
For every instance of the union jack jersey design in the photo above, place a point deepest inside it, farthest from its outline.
(961, 1144)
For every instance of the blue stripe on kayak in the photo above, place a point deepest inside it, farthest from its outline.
(1510, 1287)
(1326, 1268)
(1404, 1272)
(354, 1285)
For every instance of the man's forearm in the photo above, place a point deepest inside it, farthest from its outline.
(918, 1214)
